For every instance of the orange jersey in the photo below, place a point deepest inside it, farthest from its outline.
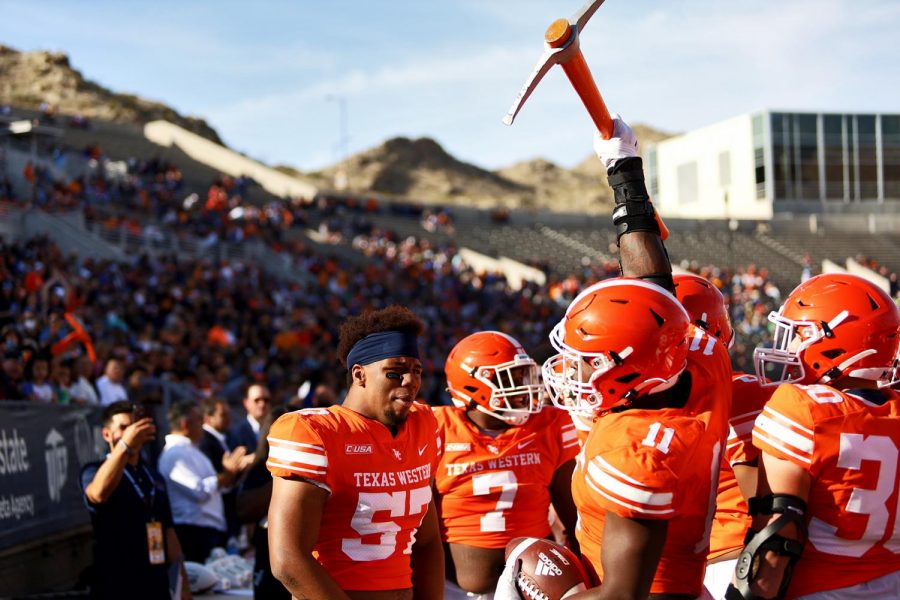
(732, 519)
(660, 464)
(849, 447)
(379, 486)
(492, 489)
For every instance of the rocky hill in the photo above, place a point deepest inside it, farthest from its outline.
(422, 170)
(28, 79)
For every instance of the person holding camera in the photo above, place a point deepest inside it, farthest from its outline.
(136, 548)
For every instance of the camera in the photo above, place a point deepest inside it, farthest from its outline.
(138, 412)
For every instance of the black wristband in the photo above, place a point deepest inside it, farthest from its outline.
(634, 211)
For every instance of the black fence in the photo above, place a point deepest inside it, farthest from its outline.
(42, 450)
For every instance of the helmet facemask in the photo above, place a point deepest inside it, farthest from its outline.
(516, 391)
(573, 379)
(793, 338)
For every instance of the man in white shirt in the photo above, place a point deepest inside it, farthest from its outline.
(195, 489)
(110, 385)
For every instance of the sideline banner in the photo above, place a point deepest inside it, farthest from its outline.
(42, 450)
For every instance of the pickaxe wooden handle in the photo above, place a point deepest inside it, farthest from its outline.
(562, 48)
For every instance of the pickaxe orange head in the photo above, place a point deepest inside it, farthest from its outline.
(561, 47)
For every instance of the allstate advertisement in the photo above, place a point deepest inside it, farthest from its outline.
(42, 449)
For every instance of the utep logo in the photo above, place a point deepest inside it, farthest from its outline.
(397, 454)
(358, 449)
(57, 458)
(493, 449)
(546, 567)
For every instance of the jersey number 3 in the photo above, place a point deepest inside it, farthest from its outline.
(856, 448)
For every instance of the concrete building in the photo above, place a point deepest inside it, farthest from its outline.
(772, 164)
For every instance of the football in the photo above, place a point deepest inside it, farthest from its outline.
(548, 571)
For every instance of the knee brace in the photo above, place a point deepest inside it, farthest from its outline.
(790, 509)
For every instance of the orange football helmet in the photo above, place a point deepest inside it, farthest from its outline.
(491, 372)
(833, 326)
(620, 338)
(706, 306)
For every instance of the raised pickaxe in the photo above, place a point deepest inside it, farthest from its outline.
(561, 47)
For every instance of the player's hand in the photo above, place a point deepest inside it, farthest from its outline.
(506, 585)
(236, 461)
(622, 144)
(139, 433)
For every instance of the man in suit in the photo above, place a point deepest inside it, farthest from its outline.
(257, 402)
(216, 421)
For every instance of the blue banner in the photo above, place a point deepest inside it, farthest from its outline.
(42, 450)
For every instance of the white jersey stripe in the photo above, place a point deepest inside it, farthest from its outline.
(640, 509)
(774, 414)
(777, 444)
(271, 463)
(777, 430)
(280, 441)
(568, 436)
(625, 490)
(614, 471)
(296, 456)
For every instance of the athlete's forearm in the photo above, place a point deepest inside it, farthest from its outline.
(304, 577)
(428, 569)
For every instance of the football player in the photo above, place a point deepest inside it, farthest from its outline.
(737, 474)
(505, 459)
(352, 514)
(825, 519)
(646, 477)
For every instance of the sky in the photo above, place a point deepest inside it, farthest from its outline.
(301, 83)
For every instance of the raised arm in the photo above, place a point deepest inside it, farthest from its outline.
(639, 230)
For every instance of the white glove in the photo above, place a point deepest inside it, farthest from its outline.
(506, 585)
(622, 144)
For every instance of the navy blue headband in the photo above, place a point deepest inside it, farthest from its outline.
(382, 345)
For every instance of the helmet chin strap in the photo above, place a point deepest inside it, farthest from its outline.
(838, 371)
(665, 383)
(514, 420)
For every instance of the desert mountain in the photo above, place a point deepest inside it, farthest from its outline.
(560, 189)
(422, 170)
(28, 79)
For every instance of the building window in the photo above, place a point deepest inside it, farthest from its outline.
(759, 156)
(687, 183)
(782, 156)
(806, 148)
(725, 169)
(835, 157)
(890, 144)
(868, 157)
(653, 174)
